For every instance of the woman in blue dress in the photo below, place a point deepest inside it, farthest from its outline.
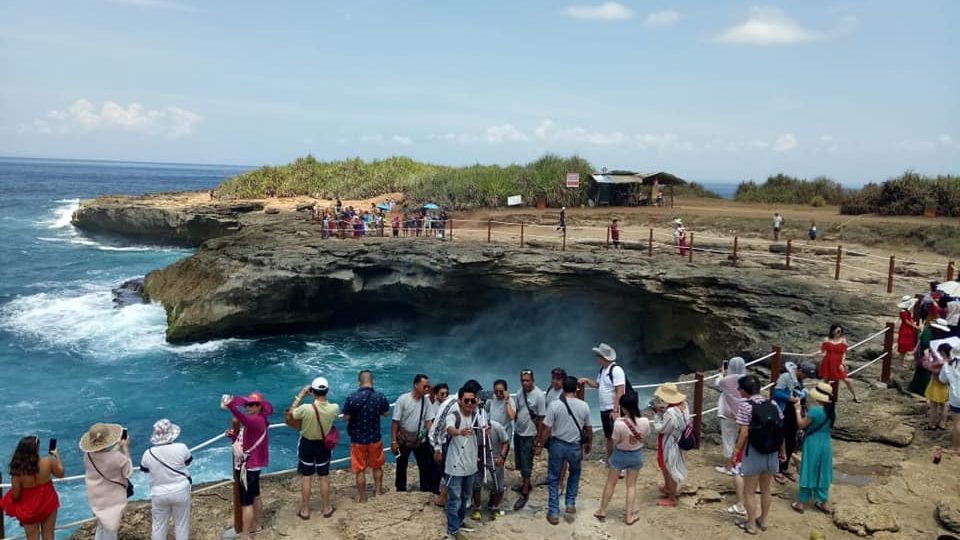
(816, 467)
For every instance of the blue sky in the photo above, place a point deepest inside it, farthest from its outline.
(728, 90)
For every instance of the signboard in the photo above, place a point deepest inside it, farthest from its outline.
(573, 180)
(514, 200)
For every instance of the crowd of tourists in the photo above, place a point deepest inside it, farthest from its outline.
(347, 222)
(461, 440)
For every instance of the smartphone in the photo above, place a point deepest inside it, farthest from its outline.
(52, 446)
(725, 364)
(123, 434)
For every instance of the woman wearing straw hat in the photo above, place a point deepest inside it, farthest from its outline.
(107, 475)
(670, 420)
(816, 468)
(166, 463)
(907, 333)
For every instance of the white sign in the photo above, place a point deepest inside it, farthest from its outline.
(573, 180)
(515, 200)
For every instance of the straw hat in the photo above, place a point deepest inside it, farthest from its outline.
(100, 436)
(164, 432)
(677, 221)
(907, 302)
(822, 392)
(669, 394)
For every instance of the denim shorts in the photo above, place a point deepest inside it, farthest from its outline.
(754, 463)
(626, 460)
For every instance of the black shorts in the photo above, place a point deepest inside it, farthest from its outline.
(312, 458)
(607, 424)
(252, 491)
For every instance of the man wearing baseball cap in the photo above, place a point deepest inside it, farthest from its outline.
(316, 420)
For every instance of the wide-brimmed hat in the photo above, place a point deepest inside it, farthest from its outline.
(907, 302)
(940, 324)
(669, 394)
(100, 436)
(677, 221)
(606, 351)
(822, 392)
(164, 432)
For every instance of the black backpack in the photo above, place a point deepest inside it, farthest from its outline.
(627, 387)
(766, 427)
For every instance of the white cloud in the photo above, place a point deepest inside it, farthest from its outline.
(785, 142)
(505, 133)
(401, 140)
(607, 11)
(661, 18)
(828, 143)
(157, 4)
(768, 26)
(945, 140)
(84, 116)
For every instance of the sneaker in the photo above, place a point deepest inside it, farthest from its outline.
(476, 516)
(467, 529)
(521, 502)
(723, 470)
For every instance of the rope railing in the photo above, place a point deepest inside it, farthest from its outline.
(699, 381)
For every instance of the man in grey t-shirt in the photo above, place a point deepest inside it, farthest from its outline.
(461, 462)
(531, 407)
(565, 421)
(502, 408)
(411, 415)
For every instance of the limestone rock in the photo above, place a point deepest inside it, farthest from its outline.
(709, 496)
(863, 520)
(948, 513)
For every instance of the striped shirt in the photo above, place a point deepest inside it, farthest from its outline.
(745, 412)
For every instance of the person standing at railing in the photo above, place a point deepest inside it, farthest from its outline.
(562, 224)
(680, 236)
(727, 407)
(395, 225)
(531, 407)
(251, 453)
(816, 468)
(907, 333)
(313, 457)
(107, 474)
(938, 329)
(950, 374)
(788, 390)
(32, 498)
(833, 365)
(408, 435)
(166, 463)
(777, 226)
(670, 420)
(362, 411)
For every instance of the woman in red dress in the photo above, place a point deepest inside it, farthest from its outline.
(833, 366)
(907, 334)
(32, 498)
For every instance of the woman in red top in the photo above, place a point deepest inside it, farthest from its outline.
(833, 366)
(907, 335)
(32, 498)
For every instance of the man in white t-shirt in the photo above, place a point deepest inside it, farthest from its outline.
(611, 383)
(461, 461)
(777, 225)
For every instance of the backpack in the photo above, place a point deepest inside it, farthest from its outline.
(766, 427)
(627, 387)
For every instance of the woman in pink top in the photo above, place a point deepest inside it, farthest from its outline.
(629, 429)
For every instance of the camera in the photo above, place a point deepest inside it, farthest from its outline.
(484, 396)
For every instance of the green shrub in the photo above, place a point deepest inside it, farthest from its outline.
(906, 195)
(818, 201)
(783, 189)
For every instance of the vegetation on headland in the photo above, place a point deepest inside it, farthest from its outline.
(909, 194)
(783, 189)
(472, 186)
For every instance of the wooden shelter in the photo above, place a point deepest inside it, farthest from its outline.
(630, 188)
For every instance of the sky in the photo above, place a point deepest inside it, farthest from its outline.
(715, 91)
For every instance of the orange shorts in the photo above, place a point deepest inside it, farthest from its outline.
(366, 456)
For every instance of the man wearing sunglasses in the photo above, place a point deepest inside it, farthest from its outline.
(531, 406)
(461, 462)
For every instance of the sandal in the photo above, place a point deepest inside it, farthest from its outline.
(797, 506)
(735, 510)
(668, 503)
(330, 513)
(822, 507)
(743, 526)
(780, 478)
(600, 517)
(632, 521)
(762, 527)
(301, 516)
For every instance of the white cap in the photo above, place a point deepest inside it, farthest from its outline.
(319, 384)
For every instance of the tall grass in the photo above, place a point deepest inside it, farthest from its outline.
(451, 187)
(907, 195)
(783, 189)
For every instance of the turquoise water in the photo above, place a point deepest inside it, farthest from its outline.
(68, 358)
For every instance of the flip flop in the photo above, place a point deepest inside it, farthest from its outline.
(781, 479)
(632, 521)
(330, 513)
(744, 528)
(301, 516)
(667, 503)
(797, 506)
(821, 507)
(600, 518)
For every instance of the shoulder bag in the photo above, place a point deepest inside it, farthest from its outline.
(584, 438)
(412, 439)
(331, 438)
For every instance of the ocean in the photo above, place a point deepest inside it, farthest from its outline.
(69, 358)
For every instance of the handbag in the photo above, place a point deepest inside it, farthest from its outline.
(127, 485)
(411, 439)
(331, 438)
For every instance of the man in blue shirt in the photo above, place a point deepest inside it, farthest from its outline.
(362, 411)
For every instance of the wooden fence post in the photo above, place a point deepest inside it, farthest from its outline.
(650, 244)
(521, 234)
(736, 240)
(836, 391)
(698, 407)
(775, 366)
(950, 271)
(690, 248)
(608, 237)
(563, 245)
(489, 226)
(789, 252)
(888, 350)
(890, 275)
(836, 272)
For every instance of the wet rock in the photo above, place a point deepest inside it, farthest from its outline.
(948, 513)
(129, 293)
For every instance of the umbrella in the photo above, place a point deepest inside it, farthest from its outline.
(383, 206)
(431, 206)
(950, 287)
